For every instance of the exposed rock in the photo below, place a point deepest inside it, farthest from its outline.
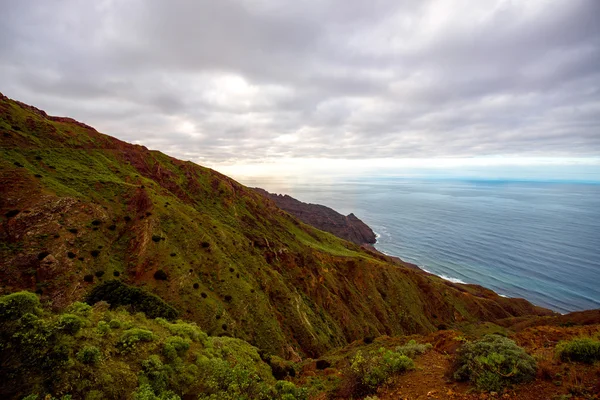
(346, 227)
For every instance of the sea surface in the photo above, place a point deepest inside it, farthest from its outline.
(536, 240)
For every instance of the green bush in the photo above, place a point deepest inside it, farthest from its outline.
(585, 350)
(285, 390)
(184, 329)
(145, 392)
(103, 327)
(221, 381)
(413, 349)
(89, 355)
(155, 374)
(39, 354)
(131, 337)
(15, 305)
(70, 323)
(114, 324)
(79, 308)
(493, 363)
(174, 347)
(116, 293)
(366, 374)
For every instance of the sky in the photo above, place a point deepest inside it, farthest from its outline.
(263, 88)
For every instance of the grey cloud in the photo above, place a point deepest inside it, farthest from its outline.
(228, 80)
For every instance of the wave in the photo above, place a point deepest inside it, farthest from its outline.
(445, 277)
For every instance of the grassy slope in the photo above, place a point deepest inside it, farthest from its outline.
(88, 203)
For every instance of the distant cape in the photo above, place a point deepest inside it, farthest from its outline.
(348, 227)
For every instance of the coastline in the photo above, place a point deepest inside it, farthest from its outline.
(399, 260)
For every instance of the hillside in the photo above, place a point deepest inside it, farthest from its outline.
(80, 208)
(347, 227)
(185, 271)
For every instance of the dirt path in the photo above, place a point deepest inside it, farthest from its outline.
(428, 382)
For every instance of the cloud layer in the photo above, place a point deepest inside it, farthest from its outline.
(226, 82)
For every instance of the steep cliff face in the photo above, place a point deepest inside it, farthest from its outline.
(78, 208)
(324, 218)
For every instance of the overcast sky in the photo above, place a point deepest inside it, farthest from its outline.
(264, 86)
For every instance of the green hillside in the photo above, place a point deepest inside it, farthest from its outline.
(80, 208)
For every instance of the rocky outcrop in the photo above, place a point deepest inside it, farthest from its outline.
(324, 218)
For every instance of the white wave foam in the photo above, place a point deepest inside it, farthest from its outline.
(453, 280)
(445, 277)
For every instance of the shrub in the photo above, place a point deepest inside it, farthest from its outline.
(103, 327)
(286, 390)
(117, 293)
(365, 375)
(131, 337)
(493, 363)
(184, 330)
(145, 392)
(15, 305)
(99, 274)
(70, 323)
(156, 238)
(114, 324)
(413, 349)
(12, 213)
(222, 381)
(89, 355)
(174, 347)
(281, 368)
(79, 308)
(88, 278)
(155, 374)
(584, 350)
(161, 275)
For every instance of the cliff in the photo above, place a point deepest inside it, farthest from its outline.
(324, 218)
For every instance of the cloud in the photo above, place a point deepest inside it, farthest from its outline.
(240, 82)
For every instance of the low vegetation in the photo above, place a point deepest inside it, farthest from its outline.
(585, 350)
(368, 371)
(493, 363)
(91, 353)
(117, 293)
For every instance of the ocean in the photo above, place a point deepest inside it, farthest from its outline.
(536, 240)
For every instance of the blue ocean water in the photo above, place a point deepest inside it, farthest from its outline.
(536, 240)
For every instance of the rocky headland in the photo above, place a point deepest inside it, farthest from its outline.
(348, 227)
